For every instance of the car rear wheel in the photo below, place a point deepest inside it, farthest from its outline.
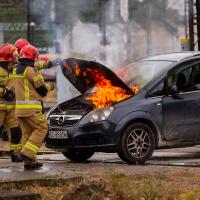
(136, 144)
(78, 156)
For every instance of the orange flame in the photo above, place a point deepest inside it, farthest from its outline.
(105, 93)
(123, 74)
(134, 88)
(77, 70)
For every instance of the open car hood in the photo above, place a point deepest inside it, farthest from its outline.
(84, 74)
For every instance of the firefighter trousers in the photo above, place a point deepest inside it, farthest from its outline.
(34, 130)
(10, 123)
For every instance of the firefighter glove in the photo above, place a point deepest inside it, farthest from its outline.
(8, 95)
(50, 64)
(42, 91)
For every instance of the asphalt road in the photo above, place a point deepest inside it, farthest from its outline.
(56, 165)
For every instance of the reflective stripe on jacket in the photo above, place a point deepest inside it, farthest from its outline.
(28, 101)
(6, 81)
(3, 83)
(28, 104)
(3, 105)
(11, 86)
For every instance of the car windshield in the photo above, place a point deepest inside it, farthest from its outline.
(141, 72)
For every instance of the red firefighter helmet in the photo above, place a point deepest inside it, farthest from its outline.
(20, 43)
(29, 52)
(7, 52)
(43, 58)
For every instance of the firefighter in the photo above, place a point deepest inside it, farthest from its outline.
(7, 100)
(20, 43)
(41, 63)
(30, 88)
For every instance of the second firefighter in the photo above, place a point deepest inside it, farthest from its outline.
(30, 88)
(7, 100)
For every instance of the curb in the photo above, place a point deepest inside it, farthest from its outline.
(45, 182)
(6, 194)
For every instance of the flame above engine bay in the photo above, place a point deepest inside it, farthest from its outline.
(106, 95)
(103, 93)
(134, 88)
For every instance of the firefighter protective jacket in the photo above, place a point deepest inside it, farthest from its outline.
(38, 65)
(41, 64)
(6, 81)
(29, 88)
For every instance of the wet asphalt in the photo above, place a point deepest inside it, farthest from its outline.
(56, 165)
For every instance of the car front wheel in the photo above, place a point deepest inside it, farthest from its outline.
(136, 144)
(78, 156)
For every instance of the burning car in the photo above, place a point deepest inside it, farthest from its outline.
(156, 106)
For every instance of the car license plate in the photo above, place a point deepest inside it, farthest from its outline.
(58, 134)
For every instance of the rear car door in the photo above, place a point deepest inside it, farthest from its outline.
(181, 113)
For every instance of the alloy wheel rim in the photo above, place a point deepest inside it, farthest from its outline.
(138, 143)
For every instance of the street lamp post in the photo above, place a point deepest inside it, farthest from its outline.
(32, 31)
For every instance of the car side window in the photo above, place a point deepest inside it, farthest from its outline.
(158, 90)
(189, 79)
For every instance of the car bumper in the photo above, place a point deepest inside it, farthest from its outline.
(99, 136)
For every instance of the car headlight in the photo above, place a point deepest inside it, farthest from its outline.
(97, 115)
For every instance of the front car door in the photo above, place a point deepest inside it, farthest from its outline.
(181, 113)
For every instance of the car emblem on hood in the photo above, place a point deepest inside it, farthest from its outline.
(60, 120)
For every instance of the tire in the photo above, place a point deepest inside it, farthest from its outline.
(78, 156)
(137, 144)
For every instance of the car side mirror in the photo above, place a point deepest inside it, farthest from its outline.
(173, 89)
(174, 92)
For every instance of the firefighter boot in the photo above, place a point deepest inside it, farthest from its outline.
(14, 157)
(15, 146)
(30, 164)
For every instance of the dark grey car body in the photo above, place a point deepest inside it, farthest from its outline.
(174, 120)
